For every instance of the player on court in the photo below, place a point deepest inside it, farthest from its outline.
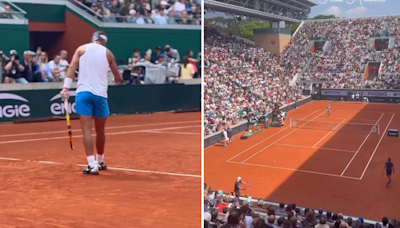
(352, 97)
(94, 61)
(328, 111)
(389, 168)
(358, 97)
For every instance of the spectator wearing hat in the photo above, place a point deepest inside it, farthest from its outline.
(13, 68)
(260, 205)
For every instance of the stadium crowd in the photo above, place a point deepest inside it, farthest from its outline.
(227, 211)
(38, 67)
(242, 80)
(162, 12)
(239, 76)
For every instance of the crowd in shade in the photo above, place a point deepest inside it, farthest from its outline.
(38, 66)
(240, 77)
(162, 12)
(227, 211)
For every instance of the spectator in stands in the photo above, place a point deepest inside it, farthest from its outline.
(187, 70)
(281, 208)
(178, 7)
(156, 54)
(170, 18)
(329, 217)
(259, 223)
(13, 69)
(320, 213)
(7, 13)
(309, 219)
(349, 222)
(271, 221)
(248, 217)
(171, 54)
(54, 69)
(185, 19)
(29, 67)
(260, 205)
(42, 66)
(63, 64)
(2, 62)
(233, 220)
(280, 221)
(385, 221)
(159, 17)
(322, 223)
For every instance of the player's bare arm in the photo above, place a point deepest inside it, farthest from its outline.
(71, 72)
(113, 67)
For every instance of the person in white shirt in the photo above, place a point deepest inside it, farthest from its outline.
(179, 7)
(63, 64)
(226, 139)
(94, 61)
(54, 68)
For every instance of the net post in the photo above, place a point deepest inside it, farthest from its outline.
(290, 125)
(379, 131)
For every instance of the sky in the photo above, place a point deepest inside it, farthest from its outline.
(356, 8)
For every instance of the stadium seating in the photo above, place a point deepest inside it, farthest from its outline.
(239, 75)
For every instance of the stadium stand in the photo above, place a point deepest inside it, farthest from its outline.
(163, 12)
(225, 210)
(240, 77)
(161, 65)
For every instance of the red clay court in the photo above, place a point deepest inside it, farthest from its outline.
(333, 162)
(154, 164)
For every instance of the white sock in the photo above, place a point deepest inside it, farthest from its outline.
(91, 161)
(100, 158)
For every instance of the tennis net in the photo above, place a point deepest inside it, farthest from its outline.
(334, 126)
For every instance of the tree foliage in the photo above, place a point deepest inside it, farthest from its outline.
(321, 17)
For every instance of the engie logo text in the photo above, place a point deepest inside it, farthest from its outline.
(57, 106)
(12, 106)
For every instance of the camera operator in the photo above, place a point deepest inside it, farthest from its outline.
(13, 69)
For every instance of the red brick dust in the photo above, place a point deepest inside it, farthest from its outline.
(338, 171)
(154, 179)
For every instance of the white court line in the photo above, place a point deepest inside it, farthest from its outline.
(377, 146)
(116, 127)
(359, 148)
(173, 132)
(79, 136)
(329, 133)
(319, 148)
(111, 168)
(280, 138)
(350, 119)
(295, 170)
(358, 111)
(266, 138)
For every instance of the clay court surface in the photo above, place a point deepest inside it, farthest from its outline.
(337, 170)
(154, 165)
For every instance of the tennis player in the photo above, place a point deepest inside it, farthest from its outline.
(94, 61)
(238, 187)
(389, 168)
(226, 138)
(328, 111)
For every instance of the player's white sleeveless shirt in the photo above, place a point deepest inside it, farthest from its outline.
(93, 70)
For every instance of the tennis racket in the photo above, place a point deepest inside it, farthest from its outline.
(68, 124)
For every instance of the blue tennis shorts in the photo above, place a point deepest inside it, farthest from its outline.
(88, 104)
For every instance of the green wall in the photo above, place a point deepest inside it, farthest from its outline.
(14, 37)
(43, 12)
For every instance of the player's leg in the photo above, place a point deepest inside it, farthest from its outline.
(84, 107)
(101, 112)
(389, 175)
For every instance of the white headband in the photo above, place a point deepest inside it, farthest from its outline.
(96, 37)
